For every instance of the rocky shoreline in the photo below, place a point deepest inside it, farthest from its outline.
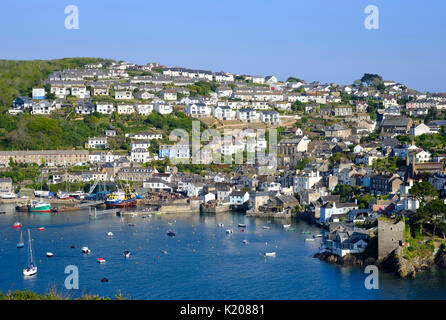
(395, 262)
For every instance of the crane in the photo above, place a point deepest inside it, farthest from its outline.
(103, 171)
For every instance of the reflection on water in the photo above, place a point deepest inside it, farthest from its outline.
(201, 262)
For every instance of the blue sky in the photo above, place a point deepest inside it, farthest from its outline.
(313, 40)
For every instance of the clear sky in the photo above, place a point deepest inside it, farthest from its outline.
(314, 40)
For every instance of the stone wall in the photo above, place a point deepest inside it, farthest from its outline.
(390, 237)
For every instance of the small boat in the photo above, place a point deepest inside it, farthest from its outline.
(104, 280)
(221, 225)
(86, 250)
(171, 233)
(229, 231)
(269, 254)
(164, 251)
(242, 225)
(8, 195)
(100, 260)
(291, 229)
(20, 244)
(245, 241)
(242, 230)
(131, 224)
(309, 239)
(285, 226)
(2, 212)
(41, 228)
(32, 268)
(266, 227)
(317, 235)
(17, 225)
(49, 254)
(72, 246)
(110, 234)
(126, 253)
(307, 232)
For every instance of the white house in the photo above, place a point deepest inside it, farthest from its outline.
(140, 144)
(269, 117)
(238, 197)
(163, 108)
(198, 110)
(194, 189)
(330, 210)
(123, 95)
(42, 107)
(422, 129)
(125, 109)
(105, 107)
(97, 142)
(143, 109)
(80, 92)
(223, 112)
(305, 180)
(140, 155)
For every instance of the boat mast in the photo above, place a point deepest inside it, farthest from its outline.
(31, 259)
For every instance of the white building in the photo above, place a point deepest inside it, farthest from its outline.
(97, 142)
(306, 180)
(105, 107)
(123, 95)
(163, 108)
(125, 109)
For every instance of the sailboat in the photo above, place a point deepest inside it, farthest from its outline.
(32, 268)
(21, 244)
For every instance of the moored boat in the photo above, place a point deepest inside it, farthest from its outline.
(269, 254)
(126, 253)
(17, 225)
(49, 254)
(20, 244)
(32, 268)
(86, 250)
(120, 199)
(39, 207)
(171, 233)
(285, 226)
(100, 260)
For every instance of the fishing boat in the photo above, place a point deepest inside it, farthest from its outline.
(49, 254)
(229, 231)
(242, 225)
(126, 253)
(171, 233)
(22, 207)
(100, 260)
(39, 206)
(269, 254)
(285, 226)
(17, 225)
(20, 244)
(63, 195)
(120, 199)
(86, 250)
(32, 268)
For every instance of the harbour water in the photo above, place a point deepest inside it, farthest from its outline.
(202, 260)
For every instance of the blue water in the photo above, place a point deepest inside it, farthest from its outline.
(203, 262)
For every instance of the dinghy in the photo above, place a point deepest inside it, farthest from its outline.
(126, 253)
(269, 254)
